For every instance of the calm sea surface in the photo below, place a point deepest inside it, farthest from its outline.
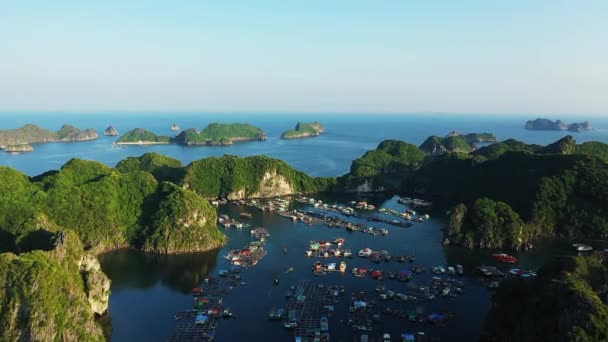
(147, 290)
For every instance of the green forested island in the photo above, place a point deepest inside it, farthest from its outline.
(215, 134)
(566, 302)
(303, 130)
(455, 142)
(220, 134)
(30, 134)
(141, 136)
(502, 195)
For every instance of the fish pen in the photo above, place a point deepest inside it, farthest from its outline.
(307, 308)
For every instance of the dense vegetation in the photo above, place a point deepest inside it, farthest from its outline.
(142, 135)
(480, 137)
(303, 129)
(486, 224)
(257, 176)
(35, 134)
(453, 143)
(554, 194)
(220, 134)
(567, 302)
(163, 168)
(107, 208)
(391, 159)
(50, 291)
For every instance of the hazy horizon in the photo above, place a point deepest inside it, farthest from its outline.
(538, 59)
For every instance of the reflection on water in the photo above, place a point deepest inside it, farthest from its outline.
(132, 269)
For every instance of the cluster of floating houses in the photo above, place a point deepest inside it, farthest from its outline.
(250, 255)
(200, 323)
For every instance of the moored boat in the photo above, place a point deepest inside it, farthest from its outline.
(324, 324)
(581, 247)
(505, 258)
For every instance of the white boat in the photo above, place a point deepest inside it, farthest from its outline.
(451, 270)
(347, 254)
(365, 252)
(342, 267)
(582, 248)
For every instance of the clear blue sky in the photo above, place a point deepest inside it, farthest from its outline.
(511, 56)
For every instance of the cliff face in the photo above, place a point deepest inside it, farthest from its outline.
(44, 294)
(271, 185)
(548, 125)
(111, 131)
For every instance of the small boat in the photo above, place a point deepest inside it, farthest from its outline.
(246, 215)
(582, 248)
(272, 313)
(347, 253)
(285, 250)
(505, 258)
(276, 281)
(364, 253)
(386, 337)
(451, 270)
(342, 267)
(324, 324)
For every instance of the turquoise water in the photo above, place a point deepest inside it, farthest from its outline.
(147, 290)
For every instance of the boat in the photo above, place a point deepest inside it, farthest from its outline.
(324, 324)
(386, 337)
(342, 267)
(285, 250)
(246, 215)
(581, 248)
(347, 253)
(451, 270)
(364, 253)
(272, 313)
(505, 258)
(276, 281)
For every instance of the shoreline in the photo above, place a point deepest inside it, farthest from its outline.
(142, 143)
(177, 252)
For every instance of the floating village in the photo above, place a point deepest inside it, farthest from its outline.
(404, 290)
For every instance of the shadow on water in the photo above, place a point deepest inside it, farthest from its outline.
(132, 269)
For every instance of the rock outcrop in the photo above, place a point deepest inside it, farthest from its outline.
(548, 125)
(111, 131)
(47, 294)
(19, 148)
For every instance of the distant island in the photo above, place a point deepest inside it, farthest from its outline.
(215, 134)
(218, 134)
(175, 127)
(141, 136)
(111, 131)
(548, 125)
(19, 148)
(30, 134)
(455, 142)
(304, 130)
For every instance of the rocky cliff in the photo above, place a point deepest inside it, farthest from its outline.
(558, 125)
(49, 294)
(111, 131)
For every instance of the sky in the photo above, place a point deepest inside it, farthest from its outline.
(465, 56)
